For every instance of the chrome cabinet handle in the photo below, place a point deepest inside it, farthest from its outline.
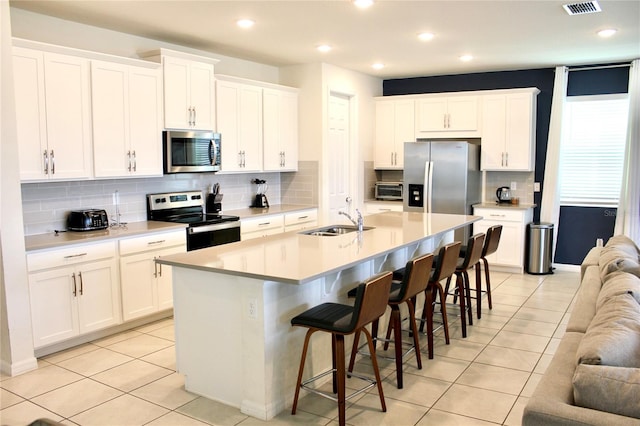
(81, 286)
(135, 162)
(506, 162)
(129, 160)
(150, 243)
(75, 290)
(155, 267)
(46, 162)
(194, 116)
(53, 163)
(71, 256)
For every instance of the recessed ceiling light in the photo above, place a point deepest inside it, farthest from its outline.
(323, 48)
(426, 36)
(607, 33)
(363, 4)
(245, 23)
(466, 58)
(377, 66)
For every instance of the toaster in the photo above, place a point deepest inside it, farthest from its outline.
(87, 220)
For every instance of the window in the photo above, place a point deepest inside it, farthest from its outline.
(592, 150)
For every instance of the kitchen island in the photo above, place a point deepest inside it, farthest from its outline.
(233, 303)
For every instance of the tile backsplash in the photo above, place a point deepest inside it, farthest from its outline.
(45, 205)
(524, 185)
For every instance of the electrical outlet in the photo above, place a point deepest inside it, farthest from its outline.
(536, 186)
(514, 186)
(253, 308)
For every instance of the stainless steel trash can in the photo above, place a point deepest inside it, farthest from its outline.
(539, 248)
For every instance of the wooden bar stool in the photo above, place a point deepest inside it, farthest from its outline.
(463, 289)
(446, 262)
(342, 320)
(413, 283)
(490, 246)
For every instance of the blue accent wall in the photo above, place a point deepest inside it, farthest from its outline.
(579, 227)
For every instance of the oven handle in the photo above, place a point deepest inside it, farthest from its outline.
(213, 227)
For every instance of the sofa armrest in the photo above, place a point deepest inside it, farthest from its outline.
(590, 259)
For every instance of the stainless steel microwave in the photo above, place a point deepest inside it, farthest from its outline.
(191, 151)
(389, 190)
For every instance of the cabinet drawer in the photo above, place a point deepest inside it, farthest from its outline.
(303, 216)
(152, 242)
(504, 215)
(261, 223)
(69, 256)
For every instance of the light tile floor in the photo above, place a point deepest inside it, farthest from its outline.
(487, 378)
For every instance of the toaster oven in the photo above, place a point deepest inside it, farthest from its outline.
(87, 220)
(389, 191)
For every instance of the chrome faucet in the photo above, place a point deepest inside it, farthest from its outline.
(359, 222)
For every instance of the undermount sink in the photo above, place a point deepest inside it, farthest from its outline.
(334, 230)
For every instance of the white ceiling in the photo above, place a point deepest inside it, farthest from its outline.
(501, 35)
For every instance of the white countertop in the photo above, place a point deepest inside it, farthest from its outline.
(495, 205)
(295, 258)
(249, 212)
(53, 240)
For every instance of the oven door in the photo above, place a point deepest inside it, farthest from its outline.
(204, 236)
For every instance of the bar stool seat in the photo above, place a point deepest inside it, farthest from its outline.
(342, 320)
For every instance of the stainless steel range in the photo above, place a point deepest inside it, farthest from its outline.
(205, 229)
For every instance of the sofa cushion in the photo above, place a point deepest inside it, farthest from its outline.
(592, 258)
(613, 337)
(624, 242)
(610, 389)
(585, 307)
(613, 259)
(618, 283)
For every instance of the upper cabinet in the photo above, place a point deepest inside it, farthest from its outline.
(53, 115)
(395, 125)
(447, 116)
(189, 89)
(509, 130)
(239, 117)
(127, 121)
(280, 130)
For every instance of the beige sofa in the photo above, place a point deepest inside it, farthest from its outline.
(594, 376)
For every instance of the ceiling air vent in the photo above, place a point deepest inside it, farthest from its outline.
(582, 8)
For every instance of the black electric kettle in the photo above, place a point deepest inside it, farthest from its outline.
(503, 194)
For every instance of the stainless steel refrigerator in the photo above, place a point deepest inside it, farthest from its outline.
(442, 176)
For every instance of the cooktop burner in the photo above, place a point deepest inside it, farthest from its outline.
(183, 207)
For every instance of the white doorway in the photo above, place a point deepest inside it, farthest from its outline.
(339, 178)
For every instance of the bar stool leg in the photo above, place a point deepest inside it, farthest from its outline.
(443, 312)
(427, 314)
(301, 369)
(488, 280)
(354, 350)
(478, 290)
(414, 329)
(463, 308)
(397, 342)
(467, 292)
(339, 356)
(376, 370)
(334, 374)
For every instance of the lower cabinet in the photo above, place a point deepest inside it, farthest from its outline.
(303, 219)
(146, 285)
(512, 240)
(73, 291)
(261, 226)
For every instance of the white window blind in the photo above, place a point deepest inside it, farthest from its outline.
(592, 150)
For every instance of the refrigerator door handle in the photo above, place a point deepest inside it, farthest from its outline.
(430, 194)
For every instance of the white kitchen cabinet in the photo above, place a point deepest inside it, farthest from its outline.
(261, 226)
(146, 285)
(127, 121)
(509, 130)
(373, 207)
(189, 89)
(395, 125)
(73, 291)
(299, 220)
(53, 115)
(239, 118)
(447, 116)
(280, 130)
(514, 222)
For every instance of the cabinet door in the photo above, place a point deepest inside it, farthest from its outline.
(202, 95)
(110, 112)
(494, 132)
(68, 112)
(145, 100)
(28, 67)
(289, 131)
(227, 118)
(520, 138)
(432, 115)
(98, 296)
(404, 129)
(138, 282)
(462, 113)
(53, 297)
(384, 135)
(250, 130)
(280, 130)
(164, 278)
(176, 93)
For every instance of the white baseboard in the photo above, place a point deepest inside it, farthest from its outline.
(14, 369)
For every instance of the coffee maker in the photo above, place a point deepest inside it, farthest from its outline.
(260, 200)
